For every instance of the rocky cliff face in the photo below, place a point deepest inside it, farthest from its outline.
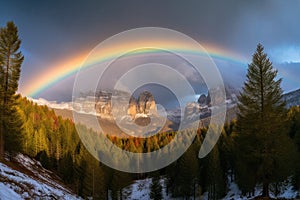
(292, 98)
(143, 106)
(103, 103)
(202, 100)
(146, 103)
(132, 108)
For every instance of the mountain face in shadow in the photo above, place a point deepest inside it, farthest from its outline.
(292, 98)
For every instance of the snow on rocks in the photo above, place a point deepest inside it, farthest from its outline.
(17, 185)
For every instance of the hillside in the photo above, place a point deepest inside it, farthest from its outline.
(140, 190)
(25, 178)
(65, 110)
(108, 125)
(292, 98)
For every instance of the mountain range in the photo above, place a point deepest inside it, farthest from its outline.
(65, 109)
(292, 98)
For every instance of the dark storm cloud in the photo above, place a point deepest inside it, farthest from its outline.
(272, 23)
(58, 30)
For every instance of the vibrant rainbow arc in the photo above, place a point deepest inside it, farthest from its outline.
(66, 69)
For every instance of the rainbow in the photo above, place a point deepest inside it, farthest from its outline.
(65, 69)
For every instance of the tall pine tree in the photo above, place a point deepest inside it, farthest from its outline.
(156, 188)
(263, 145)
(10, 67)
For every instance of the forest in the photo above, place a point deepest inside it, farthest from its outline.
(260, 147)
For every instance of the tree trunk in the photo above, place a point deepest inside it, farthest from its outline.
(194, 190)
(265, 192)
(1, 141)
(107, 193)
(167, 190)
(276, 189)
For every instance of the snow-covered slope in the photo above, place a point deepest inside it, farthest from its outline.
(234, 192)
(25, 178)
(140, 190)
(292, 98)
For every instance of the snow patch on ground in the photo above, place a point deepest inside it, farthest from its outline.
(234, 192)
(7, 192)
(17, 185)
(140, 190)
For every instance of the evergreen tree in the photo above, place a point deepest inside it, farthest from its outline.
(263, 145)
(66, 169)
(215, 180)
(119, 180)
(294, 119)
(187, 166)
(155, 188)
(10, 67)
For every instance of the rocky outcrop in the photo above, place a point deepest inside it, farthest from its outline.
(146, 103)
(143, 106)
(292, 98)
(191, 109)
(103, 103)
(132, 108)
(202, 100)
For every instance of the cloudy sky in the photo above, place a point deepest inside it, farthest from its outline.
(54, 32)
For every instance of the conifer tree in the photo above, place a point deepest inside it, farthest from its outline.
(215, 181)
(11, 59)
(156, 188)
(294, 119)
(263, 145)
(119, 180)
